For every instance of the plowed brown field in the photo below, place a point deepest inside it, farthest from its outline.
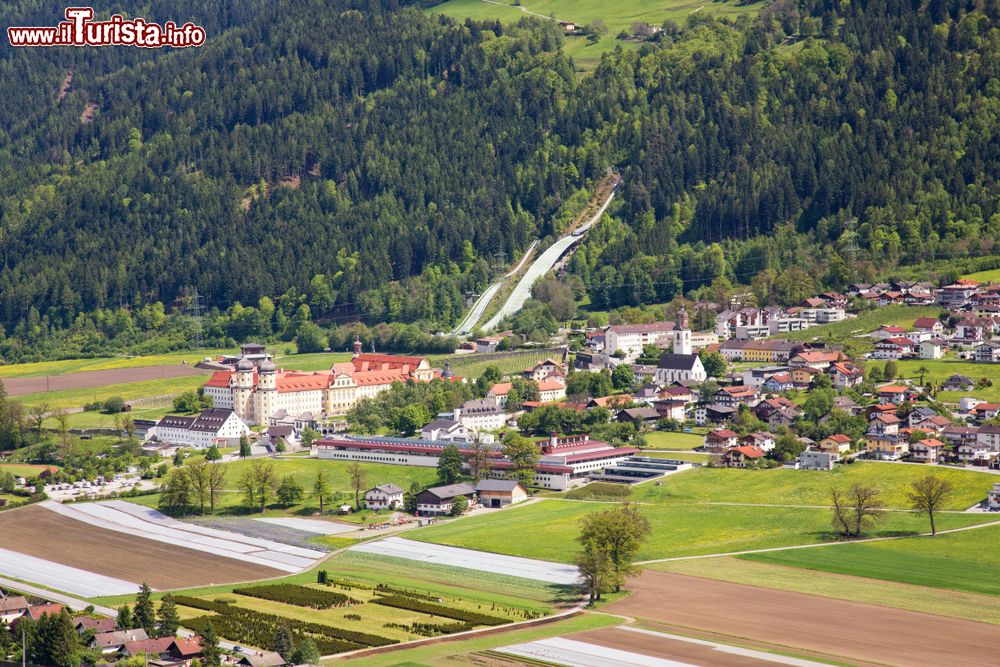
(847, 630)
(38, 532)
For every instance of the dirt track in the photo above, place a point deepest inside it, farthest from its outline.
(39, 532)
(849, 630)
(87, 379)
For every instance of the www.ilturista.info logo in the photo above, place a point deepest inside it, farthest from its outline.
(79, 30)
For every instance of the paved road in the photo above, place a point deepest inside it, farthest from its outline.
(543, 265)
(75, 604)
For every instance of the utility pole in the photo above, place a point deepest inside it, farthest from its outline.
(194, 307)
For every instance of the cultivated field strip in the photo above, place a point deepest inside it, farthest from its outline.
(526, 568)
(153, 516)
(61, 577)
(311, 525)
(220, 543)
(559, 651)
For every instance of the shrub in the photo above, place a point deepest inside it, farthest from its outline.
(300, 596)
(475, 618)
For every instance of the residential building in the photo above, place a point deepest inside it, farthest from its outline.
(480, 415)
(894, 348)
(993, 497)
(544, 369)
(779, 383)
(932, 348)
(931, 325)
(989, 436)
(815, 359)
(445, 429)
(741, 457)
(956, 436)
(975, 454)
(115, 641)
(887, 331)
(384, 497)
(719, 440)
(216, 426)
(500, 492)
(644, 417)
(782, 417)
(818, 460)
(845, 374)
(958, 382)
(888, 448)
(439, 499)
(552, 388)
(764, 409)
(763, 440)
(265, 659)
(671, 408)
(713, 413)
(957, 294)
(803, 376)
(772, 350)
(847, 404)
(737, 395)
(988, 352)
(929, 450)
(838, 443)
(12, 607)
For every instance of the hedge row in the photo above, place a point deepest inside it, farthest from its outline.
(473, 617)
(253, 633)
(257, 628)
(380, 588)
(299, 596)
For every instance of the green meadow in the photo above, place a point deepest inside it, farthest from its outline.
(962, 561)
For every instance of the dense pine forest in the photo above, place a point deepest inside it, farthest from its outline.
(366, 159)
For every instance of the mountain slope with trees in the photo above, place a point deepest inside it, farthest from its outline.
(360, 158)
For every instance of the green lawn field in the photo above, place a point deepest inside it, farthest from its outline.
(939, 369)
(672, 440)
(988, 276)
(304, 470)
(65, 366)
(678, 529)
(954, 603)
(963, 561)
(782, 486)
(317, 361)
(130, 391)
(693, 457)
(24, 469)
(473, 365)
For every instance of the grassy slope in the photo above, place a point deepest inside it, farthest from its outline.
(958, 604)
(845, 331)
(965, 561)
(810, 487)
(939, 369)
(678, 529)
(130, 391)
(668, 440)
(618, 16)
(990, 276)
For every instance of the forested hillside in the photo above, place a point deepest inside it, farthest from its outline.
(363, 157)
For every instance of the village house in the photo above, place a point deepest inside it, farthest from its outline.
(500, 492)
(928, 450)
(113, 642)
(439, 499)
(930, 325)
(552, 388)
(98, 625)
(803, 376)
(887, 331)
(895, 394)
(779, 383)
(764, 409)
(771, 350)
(932, 348)
(762, 440)
(671, 408)
(975, 454)
(713, 413)
(544, 369)
(12, 607)
(384, 497)
(643, 418)
(782, 417)
(719, 440)
(894, 348)
(815, 359)
(957, 294)
(480, 415)
(847, 404)
(958, 382)
(988, 352)
(989, 436)
(265, 659)
(812, 459)
(737, 395)
(741, 457)
(837, 443)
(985, 411)
(956, 436)
(844, 375)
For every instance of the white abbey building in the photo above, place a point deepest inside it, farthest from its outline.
(255, 393)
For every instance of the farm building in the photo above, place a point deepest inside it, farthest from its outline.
(384, 497)
(500, 492)
(438, 500)
(212, 426)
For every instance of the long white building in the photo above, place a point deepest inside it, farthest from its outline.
(213, 426)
